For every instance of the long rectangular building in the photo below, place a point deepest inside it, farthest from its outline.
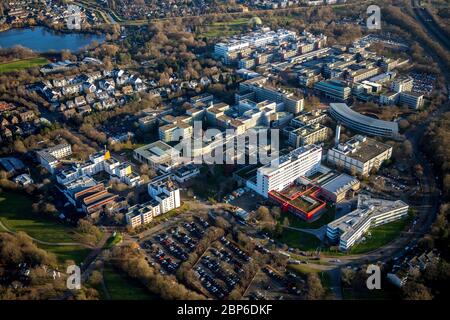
(359, 155)
(370, 212)
(283, 171)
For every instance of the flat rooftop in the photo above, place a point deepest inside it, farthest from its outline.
(362, 148)
(339, 183)
(367, 208)
(155, 150)
(285, 159)
(345, 111)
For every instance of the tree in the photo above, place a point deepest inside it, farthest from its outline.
(96, 278)
(222, 223)
(315, 289)
(19, 146)
(407, 148)
(263, 214)
(416, 291)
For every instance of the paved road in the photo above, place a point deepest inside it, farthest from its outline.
(335, 279)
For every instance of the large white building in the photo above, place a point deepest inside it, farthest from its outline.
(142, 213)
(361, 123)
(370, 212)
(158, 155)
(100, 161)
(283, 171)
(225, 50)
(165, 197)
(50, 157)
(359, 155)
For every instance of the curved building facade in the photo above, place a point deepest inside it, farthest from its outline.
(361, 123)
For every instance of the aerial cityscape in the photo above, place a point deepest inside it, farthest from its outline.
(231, 150)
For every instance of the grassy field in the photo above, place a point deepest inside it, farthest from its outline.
(380, 236)
(223, 29)
(295, 222)
(121, 287)
(22, 64)
(305, 270)
(16, 215)
(300, 240)
(64, 253)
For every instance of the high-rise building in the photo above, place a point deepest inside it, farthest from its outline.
(283, 171)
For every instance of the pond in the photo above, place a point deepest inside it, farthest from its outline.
(42, 39)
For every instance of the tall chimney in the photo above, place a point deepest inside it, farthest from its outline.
(338, 134)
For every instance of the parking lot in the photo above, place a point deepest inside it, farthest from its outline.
(423, 82)
(169, 249)
(220, 266)
(219, 269)
(270, 284)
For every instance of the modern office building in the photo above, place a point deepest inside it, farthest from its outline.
(370, 212)
(308, 134)
(411, 99)
(364, 73)
(302, 202)
(257, 89)
(175, 132)
(142, 213)
(402, 84)
(283, 171)
(165, 192)
(165, 197)
(228, 51)
(361, 123)
(89, 196)
(337, 187)
(359, 155)
(308, 118)
(334, 89)
(157, 154)
(49, 158)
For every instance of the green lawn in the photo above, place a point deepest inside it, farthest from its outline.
(303, 269)
(16, 215)
(113, 240)
(381, 236)
(224, 29)
(300, 240)
(122, 287)
(296, 222)
(22, 64)
(64, 253)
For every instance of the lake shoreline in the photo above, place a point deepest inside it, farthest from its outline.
(41, 39)
(7, 27)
